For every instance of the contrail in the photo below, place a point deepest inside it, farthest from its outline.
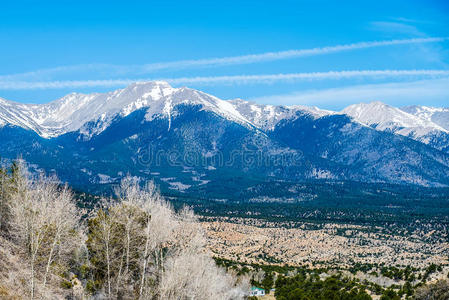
(272, 56)
(246, 79)
(123, 70)
(233, 79)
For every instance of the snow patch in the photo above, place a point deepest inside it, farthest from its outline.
(104, 178)
(178, 186)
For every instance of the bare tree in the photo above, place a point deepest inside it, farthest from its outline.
(4, 199)
(45, 221)
(195, 276)
(138, 246)
(157, 221)
(190, 272)
(63, 232)
(139, 243)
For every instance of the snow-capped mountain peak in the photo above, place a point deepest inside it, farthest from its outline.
(388, 118)
(326, 144)
(73, 111)
(90, 114)
(267, 117)
(437, 115)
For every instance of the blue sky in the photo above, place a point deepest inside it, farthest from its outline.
(324, 53)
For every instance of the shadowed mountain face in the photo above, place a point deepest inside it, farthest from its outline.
(196, 145)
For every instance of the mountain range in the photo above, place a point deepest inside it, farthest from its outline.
(194, 144)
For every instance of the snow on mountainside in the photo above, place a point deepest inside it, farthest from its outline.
(91, 114)
(266, 117)
(111, 132)
(13, 113)
(439, 116)
(74, 111)
(387, 118)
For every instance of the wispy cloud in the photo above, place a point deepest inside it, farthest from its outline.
(425, 92)
(233, 79)
(396, 27)
(124, 70)
(413, 21)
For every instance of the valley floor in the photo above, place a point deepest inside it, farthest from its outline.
(340, 246)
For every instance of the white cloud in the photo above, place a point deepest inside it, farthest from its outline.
(118, 70)
(425, 92)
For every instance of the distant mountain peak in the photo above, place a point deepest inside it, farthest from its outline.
(418, 122)
(383, 116)
(437, 115)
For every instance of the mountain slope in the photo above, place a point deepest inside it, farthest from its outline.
(71, 112)
(371, 155)
(266, 117)
(197, 145)
(439, 116)
(418, 126)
